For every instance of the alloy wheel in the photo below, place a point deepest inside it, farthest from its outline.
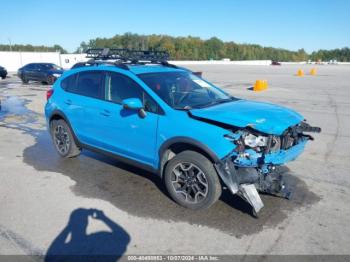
(190, 182)
(61, 139)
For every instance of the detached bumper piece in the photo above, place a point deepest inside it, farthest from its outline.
(247, 182)
(268, 181)
(251, 195)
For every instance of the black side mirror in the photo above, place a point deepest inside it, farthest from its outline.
(142, 113)
(134, 104)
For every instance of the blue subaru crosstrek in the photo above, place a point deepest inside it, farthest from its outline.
(135, 106)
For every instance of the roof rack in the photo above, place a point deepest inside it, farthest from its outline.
(128, 56)
(124, 57)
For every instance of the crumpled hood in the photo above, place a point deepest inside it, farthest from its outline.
(264, 117)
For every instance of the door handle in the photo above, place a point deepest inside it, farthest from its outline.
(106, 113)
(68, 102)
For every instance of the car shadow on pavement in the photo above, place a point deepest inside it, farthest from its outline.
(142, 194)
(74, 244)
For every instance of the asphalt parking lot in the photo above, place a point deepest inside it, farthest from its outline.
(39, 191)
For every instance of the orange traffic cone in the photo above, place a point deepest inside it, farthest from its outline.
(300, 72)
(265, 84)
(313, 71)
(260, 85)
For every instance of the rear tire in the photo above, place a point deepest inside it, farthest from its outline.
(63, 139)
(192, 181)
(50, 80)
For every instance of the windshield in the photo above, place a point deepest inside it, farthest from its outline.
(183, 90)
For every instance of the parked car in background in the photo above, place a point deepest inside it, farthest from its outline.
(163, 118)
(80, 64)
(274, 62)
(42, 72)
(3, 72)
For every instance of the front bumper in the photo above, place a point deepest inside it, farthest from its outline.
(250, 158)
(249, 172)
(246, 172)
(284, 156)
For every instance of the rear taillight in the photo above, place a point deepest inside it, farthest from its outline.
(49, 93)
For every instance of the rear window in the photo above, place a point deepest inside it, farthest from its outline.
(85, 83)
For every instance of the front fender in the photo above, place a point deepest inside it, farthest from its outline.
(209, 138)
(190, 141)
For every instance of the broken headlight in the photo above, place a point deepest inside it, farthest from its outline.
(255, 141)
(245, 139)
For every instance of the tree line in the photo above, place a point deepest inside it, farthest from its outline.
(194, 48)
(33, 48)
(341, 55)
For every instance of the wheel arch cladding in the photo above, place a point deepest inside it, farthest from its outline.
(180, 144)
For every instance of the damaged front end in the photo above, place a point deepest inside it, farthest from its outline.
(252, 166)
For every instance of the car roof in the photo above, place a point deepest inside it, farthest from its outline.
(134, 68)
(143, 69)
(40, 63)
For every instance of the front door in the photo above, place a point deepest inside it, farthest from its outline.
(124, 131)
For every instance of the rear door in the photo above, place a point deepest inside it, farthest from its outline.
(91, 89)
(84, 91)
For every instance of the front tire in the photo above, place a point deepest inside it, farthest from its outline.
(192, 181)
(63, 139)
(24, 80)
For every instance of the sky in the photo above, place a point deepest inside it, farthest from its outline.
(290, 24)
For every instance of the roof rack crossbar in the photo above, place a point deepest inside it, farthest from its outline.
(92, 62)
(128, 56)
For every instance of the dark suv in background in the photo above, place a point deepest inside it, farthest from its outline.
(42, 72)
(3, 72)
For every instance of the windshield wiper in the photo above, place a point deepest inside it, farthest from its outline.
(185, 108)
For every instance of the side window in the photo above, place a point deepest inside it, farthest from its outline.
(120, 87)
(40, 67)
(69, 83)
(89, 83)
(36, 67)
(29, 67)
